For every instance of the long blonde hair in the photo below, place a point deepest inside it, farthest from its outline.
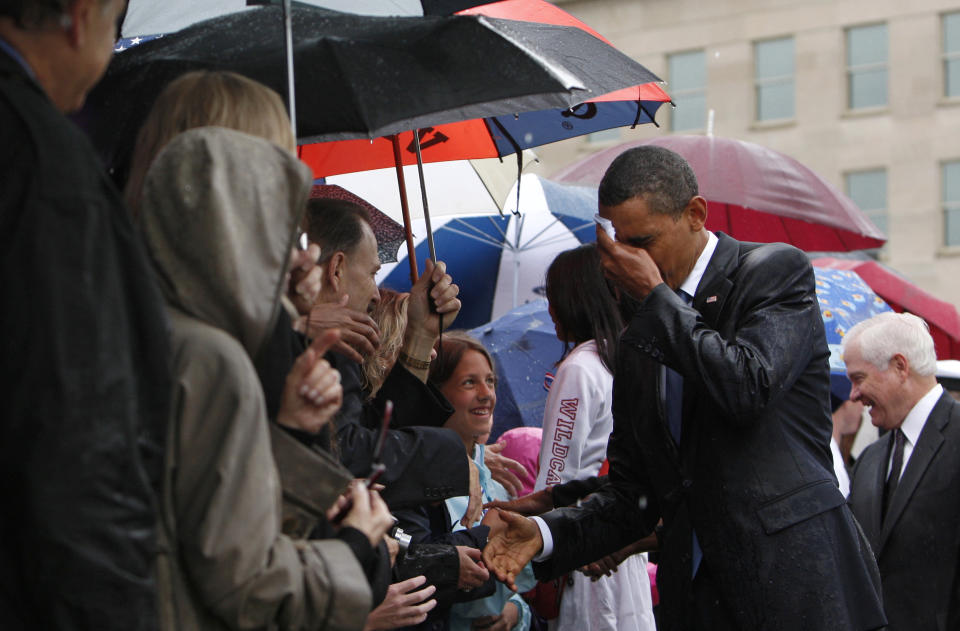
(199, 99)
(390, 314)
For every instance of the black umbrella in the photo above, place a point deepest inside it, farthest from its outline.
(362, 76)
(150, 17)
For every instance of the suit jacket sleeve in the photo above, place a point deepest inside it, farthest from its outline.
(571, 492)
(424, 464)
(623, 510)
(748, 371)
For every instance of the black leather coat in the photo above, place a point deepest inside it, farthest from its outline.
(84, 381)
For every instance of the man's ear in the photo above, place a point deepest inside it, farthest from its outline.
(900, 364)
(74, 21)
(697, 213)
(334, 270)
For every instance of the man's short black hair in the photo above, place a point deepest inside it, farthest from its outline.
(335, 225)
(662, 177)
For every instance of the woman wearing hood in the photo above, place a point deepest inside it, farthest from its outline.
(219, 213)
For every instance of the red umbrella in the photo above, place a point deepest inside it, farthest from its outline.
(902, 295)
(756, 194)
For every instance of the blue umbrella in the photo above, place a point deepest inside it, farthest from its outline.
(471, 248)
(573, 206)
(844, 300)
(500, 262)
(525, 348)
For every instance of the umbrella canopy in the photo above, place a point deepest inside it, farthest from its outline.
(844, 301)
(902, 295)
(500, 262)
(459, 187)
(756, 194)
(498, 136)
(363, 76)
(147, 17)
(388, 232)
(525, 349)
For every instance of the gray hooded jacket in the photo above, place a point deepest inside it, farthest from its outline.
(220, 211)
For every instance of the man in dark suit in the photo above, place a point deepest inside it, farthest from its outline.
(423, 462)
(906, 485)
(721, 426)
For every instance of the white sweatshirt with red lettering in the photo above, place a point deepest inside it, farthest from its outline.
(577, 419)
(577, 422)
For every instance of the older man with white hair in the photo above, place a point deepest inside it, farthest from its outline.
(906, 486)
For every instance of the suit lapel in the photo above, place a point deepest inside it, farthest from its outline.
(712, 292)
(715, 285)
(931, 438)
(874, 467)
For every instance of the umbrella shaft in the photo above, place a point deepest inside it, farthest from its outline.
(423, 196)
(288, 37)
(405, 209)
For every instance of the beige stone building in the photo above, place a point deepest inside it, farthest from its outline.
(865, 92)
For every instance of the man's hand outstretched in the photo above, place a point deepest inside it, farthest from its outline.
(513, 541)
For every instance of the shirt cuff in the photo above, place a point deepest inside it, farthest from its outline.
(547, 537)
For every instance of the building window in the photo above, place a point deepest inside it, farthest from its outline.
(951, 202)
(867, 66)
(868, 189)
(688, 89)
(773, 76)
(951, 55)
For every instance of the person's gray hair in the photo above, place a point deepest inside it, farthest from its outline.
(886, 334)
(662, 177)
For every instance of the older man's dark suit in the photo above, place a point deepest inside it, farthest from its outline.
(753, 473)
(918, 543)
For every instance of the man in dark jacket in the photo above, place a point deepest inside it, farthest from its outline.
(904, 489)
(423, 461)
(83, 376)
(721, 426)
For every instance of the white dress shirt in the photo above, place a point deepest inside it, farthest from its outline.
(913, 424)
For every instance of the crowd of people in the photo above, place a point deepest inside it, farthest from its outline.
(209, 425)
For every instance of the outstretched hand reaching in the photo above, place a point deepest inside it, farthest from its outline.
(513, 542)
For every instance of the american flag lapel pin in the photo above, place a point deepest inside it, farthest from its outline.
(711, 299)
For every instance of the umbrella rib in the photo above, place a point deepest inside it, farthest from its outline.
(550, 241)
(536, 236)
(486, 240)
(503, 233)
(477, 231)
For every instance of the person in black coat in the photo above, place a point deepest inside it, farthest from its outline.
(721, 426)
(83, 375)
(424, 462)
(908, 498)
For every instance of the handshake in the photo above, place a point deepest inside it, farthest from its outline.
(514, 540)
